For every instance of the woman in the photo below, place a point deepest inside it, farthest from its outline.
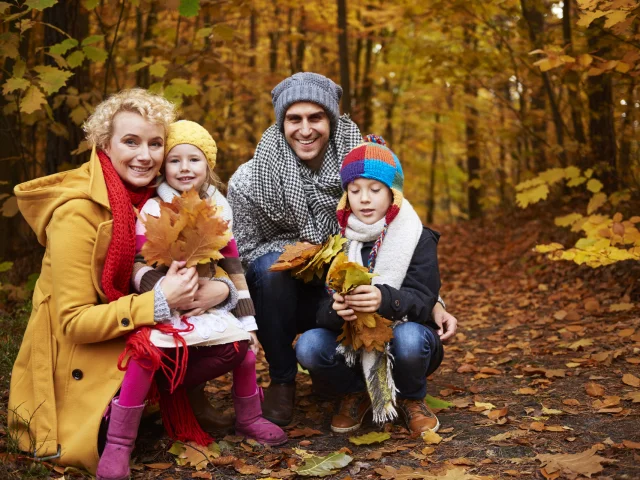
(66, 376)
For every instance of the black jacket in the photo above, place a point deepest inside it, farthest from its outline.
(416, 297)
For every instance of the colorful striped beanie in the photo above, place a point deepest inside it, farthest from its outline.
(373, 160)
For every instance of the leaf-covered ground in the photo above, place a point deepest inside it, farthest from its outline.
(542, 381)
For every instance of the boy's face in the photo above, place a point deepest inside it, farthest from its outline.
(369, 199)
(186, 167)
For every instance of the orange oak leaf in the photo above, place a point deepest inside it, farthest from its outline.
(188, 229)
(294, 256)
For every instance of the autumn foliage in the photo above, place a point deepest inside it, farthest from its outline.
(188, 229)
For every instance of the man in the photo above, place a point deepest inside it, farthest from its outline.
(288, 192)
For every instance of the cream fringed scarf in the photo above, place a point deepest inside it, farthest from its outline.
(391, 265)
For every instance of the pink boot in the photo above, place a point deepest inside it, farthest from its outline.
(250, 422)
(121, 437)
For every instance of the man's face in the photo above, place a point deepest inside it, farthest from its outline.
(307, 128)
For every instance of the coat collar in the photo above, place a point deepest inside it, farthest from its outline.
(97, 183)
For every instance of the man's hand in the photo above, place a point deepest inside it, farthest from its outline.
(341, 308)
(364, 298)
(209, 294)
(447, 323)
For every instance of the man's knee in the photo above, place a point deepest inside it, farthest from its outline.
(313, 348)
(259, 275)
(410, 345)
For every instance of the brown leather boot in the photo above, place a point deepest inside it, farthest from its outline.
(353, 408)
(417, 416)
(279, 399)
(210, 419)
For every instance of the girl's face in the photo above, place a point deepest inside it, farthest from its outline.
(369, 199)
(136, 148)
(186, 167)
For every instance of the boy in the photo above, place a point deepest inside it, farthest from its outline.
(385, 234)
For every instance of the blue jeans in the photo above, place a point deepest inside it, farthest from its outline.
(284, 307)
(417, 352)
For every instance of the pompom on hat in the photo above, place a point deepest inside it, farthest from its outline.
(373, 160)
(192, 133)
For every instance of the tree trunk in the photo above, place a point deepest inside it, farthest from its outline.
(144, 37)
(573, 79)
(535, 22)
(471, 135)
(274, 37)
(343, 48)
(431, 198)
(602, 137)
(624, 159)
(302, 45)
(367, 89)
(69, 17)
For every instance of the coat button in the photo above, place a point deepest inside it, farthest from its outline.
(397, 303)
(124, 322)
(77, 374)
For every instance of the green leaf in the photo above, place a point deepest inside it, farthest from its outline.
(9, 42)
(64, 46)
(178, 89)
(369, 438)
(322, 466)
(40, 4)
(158, 69)
(90, 40)
(355, 277)
(594, 185)
(13, 84)
(95, 54)
(225, 32)
(52, 79)
(177, 448)
(75, 59)
(136, 66)
(3, 7)
(32, 100)
(19, 68)
(5, 266)
(204, 32)
(79, 114)
(31, 281)
(189, 8)
(90, 4)
(433, 402)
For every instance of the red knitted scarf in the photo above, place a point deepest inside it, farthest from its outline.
(118, 265)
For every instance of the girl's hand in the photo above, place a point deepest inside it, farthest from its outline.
(364, 298)
(254, 344)
(341, 308)
(179, 285)
(209, 294)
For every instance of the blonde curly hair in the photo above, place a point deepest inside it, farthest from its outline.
(153, 108)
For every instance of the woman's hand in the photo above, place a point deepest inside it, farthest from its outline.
(341, 308)
(364, 298)
(447, 323)
(179, 285)
(254, 344)
(209, 294)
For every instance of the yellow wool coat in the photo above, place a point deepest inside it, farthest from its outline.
(66, 372)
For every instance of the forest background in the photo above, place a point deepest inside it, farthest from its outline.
(488, 105)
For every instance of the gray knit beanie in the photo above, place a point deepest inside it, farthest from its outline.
(306, 87)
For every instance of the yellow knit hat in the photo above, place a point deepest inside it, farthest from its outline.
(191, 133)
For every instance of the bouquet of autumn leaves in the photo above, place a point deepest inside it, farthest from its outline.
(189, 229)
(306, 261)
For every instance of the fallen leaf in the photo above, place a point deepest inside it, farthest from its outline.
(205, 475)
(630, 444)
(436, 403)
(507, 436)
(571, 402)
(158, 466)
(592, 305)
(369, 438)
(245, 469)
(633, 360)
(594, 389)
(621, 307)
(495, 414)
(431, 438)
(627, 332)
(583, 342)
(484, 405)
(631, 380)
(585, 463)
(303, 432)
(316, 466)
(555, 373)
(633, 396)
(537, 426)
(526, 391)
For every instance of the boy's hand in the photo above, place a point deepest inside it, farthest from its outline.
(365, 298)
(339, 305)
(447, 323)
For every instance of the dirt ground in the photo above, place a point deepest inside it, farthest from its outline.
(546, 365)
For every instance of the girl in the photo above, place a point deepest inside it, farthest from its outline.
(189, 162)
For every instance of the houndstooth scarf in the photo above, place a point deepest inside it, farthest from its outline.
(300, 203)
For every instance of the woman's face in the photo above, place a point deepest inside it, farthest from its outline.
(136, 148)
